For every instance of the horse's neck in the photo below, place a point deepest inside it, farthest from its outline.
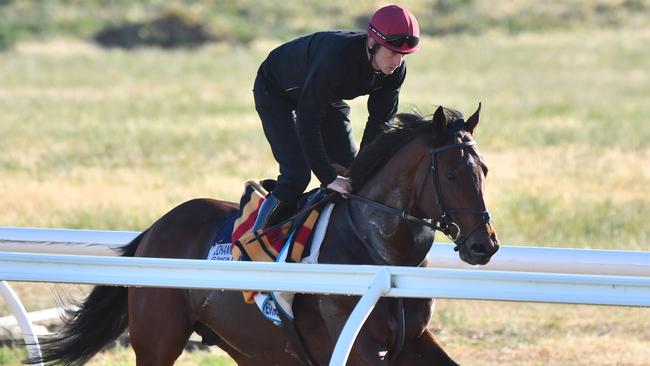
(397, 183)
(396, 186)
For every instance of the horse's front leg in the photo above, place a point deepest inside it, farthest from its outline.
(375, 337)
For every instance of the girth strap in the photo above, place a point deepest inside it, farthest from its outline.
(291, 331)
(401, 330)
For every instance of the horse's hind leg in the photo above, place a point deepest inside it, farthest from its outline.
(159, 325)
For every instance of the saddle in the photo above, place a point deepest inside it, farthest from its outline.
(288, 241)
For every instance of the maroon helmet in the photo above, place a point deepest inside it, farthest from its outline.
(395, 28)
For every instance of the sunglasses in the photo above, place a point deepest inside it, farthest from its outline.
(397, 40)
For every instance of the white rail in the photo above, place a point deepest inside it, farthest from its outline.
(326, 279)
(36, 316)
(380, 285)
(558, 275)
(63, 241)
(550, 260)
(509, 258)
(17, 308)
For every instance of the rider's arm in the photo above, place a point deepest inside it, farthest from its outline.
(316, 96)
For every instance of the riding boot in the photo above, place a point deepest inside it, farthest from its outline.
(272, 211)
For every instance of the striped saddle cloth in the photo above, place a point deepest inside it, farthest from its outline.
(288, 242)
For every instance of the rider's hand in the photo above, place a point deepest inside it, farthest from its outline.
(341, 185)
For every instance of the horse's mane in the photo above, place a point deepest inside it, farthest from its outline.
(402, 129)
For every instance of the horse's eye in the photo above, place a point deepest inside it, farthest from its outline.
(451, 176)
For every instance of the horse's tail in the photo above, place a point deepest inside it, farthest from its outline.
(98, 320)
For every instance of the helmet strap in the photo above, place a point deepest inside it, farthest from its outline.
(372, 50)
(375, 47)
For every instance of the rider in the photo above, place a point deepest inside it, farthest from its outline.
(299, 92)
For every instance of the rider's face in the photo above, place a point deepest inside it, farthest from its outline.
(386, 60)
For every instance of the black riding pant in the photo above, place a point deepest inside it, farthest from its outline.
(277, 113)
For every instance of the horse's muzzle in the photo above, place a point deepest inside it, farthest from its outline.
(479, 252)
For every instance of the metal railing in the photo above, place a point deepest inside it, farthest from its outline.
(603, 277)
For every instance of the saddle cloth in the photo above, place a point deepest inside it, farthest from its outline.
(265, 245)
(295, 241)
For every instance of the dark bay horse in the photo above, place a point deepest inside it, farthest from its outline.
(419, 168)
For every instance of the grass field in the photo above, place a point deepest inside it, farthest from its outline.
(112, 140)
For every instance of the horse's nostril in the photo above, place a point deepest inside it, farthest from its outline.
(477, 249)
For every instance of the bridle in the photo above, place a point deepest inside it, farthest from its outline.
(420, 249)
(446, 222)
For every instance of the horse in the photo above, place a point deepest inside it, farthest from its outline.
(420, 175)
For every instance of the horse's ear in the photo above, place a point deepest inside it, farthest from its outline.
(439, 121)
(471, 123)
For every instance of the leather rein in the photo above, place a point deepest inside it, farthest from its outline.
(446, 222)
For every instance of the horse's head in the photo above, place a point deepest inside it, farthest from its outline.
(432, 169)
(453, 192)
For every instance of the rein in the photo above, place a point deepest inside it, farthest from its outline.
(420, 249)
(445, 222)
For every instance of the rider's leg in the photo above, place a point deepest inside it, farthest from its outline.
(272, 211)
(276, 113)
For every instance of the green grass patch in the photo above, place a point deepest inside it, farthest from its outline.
(11, 356)
(549, 219)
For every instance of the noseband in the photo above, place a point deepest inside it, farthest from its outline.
(446, 222)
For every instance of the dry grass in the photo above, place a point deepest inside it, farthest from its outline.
(502, 333)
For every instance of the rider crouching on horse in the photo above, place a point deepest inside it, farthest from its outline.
(299, 92)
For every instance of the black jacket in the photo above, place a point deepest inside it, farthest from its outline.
(316, 70)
